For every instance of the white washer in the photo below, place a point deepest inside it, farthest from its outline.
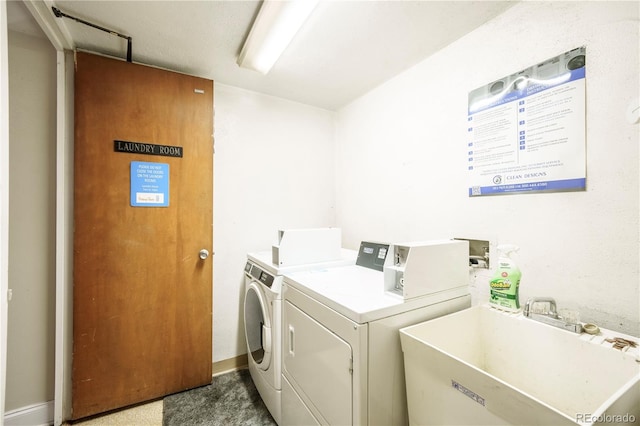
(342, 360)
(263, 320)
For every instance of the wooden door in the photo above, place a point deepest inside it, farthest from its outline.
(142, 296)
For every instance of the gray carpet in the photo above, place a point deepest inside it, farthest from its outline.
(231, 399)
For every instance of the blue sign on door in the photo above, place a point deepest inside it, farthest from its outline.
(149, 184)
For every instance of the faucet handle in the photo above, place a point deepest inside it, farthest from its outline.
(528, 307)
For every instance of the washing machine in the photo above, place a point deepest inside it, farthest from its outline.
(263, 319)
(559, 65)
(342, 361)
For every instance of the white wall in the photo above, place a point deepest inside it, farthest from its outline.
(273, 169)
(401, 159)
(32, 146)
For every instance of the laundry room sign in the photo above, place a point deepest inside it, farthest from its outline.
(147, 148)
(526, 132)
(149, 184)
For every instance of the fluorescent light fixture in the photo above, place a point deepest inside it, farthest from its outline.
(275, 26)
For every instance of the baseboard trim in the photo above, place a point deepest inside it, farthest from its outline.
(36, 414)
(230, 364)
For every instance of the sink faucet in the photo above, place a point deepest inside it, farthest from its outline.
(550, 317)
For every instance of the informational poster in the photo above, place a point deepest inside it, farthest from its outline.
(526, 131)
(149, 184)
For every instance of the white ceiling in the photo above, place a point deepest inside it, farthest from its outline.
(345, 49)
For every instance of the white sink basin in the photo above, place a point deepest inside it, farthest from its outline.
(482, 366)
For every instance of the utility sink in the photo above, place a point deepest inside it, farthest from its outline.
(482, 366)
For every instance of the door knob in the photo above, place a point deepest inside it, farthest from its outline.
(204, 253)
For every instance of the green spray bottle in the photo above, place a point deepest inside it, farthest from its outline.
(505, 284)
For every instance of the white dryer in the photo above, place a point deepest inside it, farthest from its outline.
(263, 320)
(342, 362)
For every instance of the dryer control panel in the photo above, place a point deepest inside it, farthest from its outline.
(372, 255)
(259, 274)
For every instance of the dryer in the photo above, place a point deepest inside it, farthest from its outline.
(342, 360)
(263, 319)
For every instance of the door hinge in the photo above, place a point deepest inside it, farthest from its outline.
(351, 366)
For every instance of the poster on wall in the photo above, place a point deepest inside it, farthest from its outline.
(149, 184)
(526, 131)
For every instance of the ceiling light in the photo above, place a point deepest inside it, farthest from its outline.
(275, 26)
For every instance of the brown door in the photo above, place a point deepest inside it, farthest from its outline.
(142, 296)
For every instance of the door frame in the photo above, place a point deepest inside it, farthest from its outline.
(64, 239)
(63, 45)
(4, 201)
(45, 19)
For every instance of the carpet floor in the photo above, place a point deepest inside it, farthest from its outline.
(230, 399)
